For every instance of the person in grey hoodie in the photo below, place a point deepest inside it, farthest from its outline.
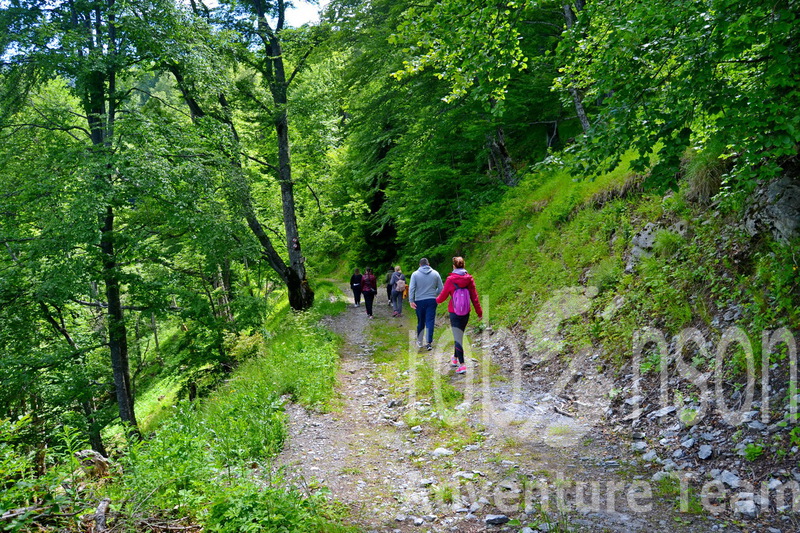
(425, 286)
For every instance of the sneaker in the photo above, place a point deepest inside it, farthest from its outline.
(419, 344)
(429, 347)
(462, 369)
(394, 314)
(454, 362)
(370, 316)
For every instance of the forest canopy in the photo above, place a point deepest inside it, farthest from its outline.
(170, 170)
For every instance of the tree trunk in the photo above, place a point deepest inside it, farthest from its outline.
(99, 101)
(499, 159)
(87, 404)
(117, 332)
(577, 99)
(93, 429)
(293, 275)
(300, 294)
(553, 137)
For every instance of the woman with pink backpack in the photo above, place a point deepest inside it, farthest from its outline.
(460, 287)
(398, 282)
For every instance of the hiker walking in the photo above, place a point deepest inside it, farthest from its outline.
(425, 286)
(368, 289)
(460, 287)
(388, 282)
(398, 282)
(355, 284)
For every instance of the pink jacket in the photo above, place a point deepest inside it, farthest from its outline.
(462, 281)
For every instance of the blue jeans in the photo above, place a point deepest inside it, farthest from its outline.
(426, 316)
(397, 301)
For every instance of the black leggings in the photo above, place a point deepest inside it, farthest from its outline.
(458, 325)
(369, 296)
(357, 295)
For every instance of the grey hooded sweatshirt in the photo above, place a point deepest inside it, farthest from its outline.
(426, 284)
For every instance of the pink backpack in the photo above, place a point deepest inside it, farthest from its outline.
(461, 301)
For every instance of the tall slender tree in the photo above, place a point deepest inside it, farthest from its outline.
(79, 40)
(261, 26)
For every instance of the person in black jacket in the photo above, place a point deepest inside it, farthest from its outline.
(355, 284)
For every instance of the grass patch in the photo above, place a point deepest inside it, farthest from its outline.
(210, 459)
(559, 431)
(414, 373)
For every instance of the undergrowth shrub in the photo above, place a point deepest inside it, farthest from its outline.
(251, 506)
(667, 243)
(606, 273)
(775, 289)
(703, 172)
(211, 459)
(45, 501)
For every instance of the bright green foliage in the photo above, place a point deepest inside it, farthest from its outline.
(549, 243)
(668, 75)
(422, 166)
(753, 451)
(51, 499)
(569, 233)
(774, 290)
(467, 44)
(205, 453)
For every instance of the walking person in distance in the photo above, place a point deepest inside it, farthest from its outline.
(355, 284)
(398, 287)
(460, 287)
(368, 289)
(388, 282)
(425, 286)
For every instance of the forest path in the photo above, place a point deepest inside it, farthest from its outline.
(401, 457)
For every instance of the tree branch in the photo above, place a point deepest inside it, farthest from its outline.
(319, 204)
(102, 305)
(302, 62)
(270, 166)
(151, 95)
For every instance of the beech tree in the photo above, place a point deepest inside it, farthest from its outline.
(479, 47)
(80, 41)
(260, 27)
(667, 75)
(103, 180)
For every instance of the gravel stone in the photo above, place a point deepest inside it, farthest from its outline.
(706, 451)
(499, 519)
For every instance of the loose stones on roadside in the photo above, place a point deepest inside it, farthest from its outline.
(441, 452)
(747, 508)
(496, 519)
(730, 479)
(706, 451)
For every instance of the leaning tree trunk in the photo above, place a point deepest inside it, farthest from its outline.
(300, 294)
(500, 160)
(577, 99)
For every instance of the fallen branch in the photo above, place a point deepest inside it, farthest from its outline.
(562, 412)
(16, 513)
(100, 515)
